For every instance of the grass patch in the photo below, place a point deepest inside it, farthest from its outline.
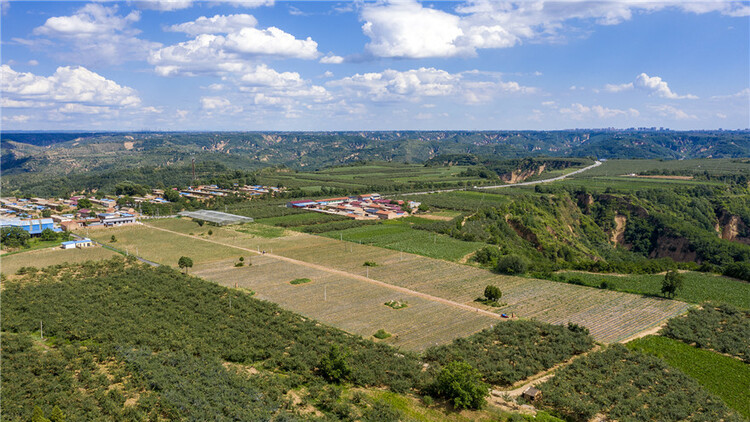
(492, 303)
(300, 281)
(398, 235)
(381, 334)
(53, 256)
(396, 304)
(260, 230)
(727, 377)
(698, 287)
(370, 264)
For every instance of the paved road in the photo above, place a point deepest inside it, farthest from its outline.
(507, 185)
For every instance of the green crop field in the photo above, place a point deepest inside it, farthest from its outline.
(363, 176)
(398, 235)
(52, 256)
(621, 167)
(611, 316)
(460, 200)
(727, 377)
(698, 287)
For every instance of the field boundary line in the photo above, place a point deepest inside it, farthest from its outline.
(346, 274)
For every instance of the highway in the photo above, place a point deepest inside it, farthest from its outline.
(507, 185)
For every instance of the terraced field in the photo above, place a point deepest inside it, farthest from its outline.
(611, 316)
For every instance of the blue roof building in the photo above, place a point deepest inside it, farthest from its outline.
(34, 227)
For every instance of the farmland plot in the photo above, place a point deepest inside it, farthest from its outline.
(353, 305)
(52, 256)
(611, 316)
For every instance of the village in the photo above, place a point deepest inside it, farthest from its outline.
(362, 207)
(35, 215)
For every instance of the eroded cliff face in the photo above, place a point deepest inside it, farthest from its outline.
(677, 248)
(618, 233)
(731, 227)
(521, 175)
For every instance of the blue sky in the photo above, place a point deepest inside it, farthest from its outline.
(265, 65)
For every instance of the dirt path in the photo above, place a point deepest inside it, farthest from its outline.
(518, 388)
(346, 274)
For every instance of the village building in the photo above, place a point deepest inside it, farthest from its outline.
(73, 244)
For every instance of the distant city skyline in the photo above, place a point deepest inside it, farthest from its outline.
(260, 65)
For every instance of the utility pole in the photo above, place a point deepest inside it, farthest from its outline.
(41, 330)
(325, 292)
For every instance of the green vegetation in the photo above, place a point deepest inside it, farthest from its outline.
(698, 287)
(370, 264)
(184, 263)
(724, 329)
(462, 385)
(673, 281)
(16, 239)
(381, 334)
(160, 348)
(396, 304)
(300, 281)
(529, 347)
(632, 386)
(512, 264)
(401, 236)
(724, 376)
(492, 293)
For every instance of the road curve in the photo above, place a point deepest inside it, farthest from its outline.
(507, 185)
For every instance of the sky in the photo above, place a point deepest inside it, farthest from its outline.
(374, 65)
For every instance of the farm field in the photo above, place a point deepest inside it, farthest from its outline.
(162, 247)
(364, 176)
(461, 200)
(398, 235)
(353, 305)
(698, 287)
(621, 167)
(727, 377)
(611, 316)
(52, 256)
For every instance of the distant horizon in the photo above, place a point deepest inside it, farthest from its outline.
(629, 129)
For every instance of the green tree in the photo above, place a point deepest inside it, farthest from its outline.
(460, 383)
(84, 203)
(512, 264)
(492, 293)
(37, 415)
(673, 281)
(46, 213)
(14, 237)
(56, 415)
(184, 263)
(113, 239)
(171, 195)
(333, 365)
(48, 234)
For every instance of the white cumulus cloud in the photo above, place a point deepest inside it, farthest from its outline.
(408, 29)
(218, 24)
(68, 85)
(665, 110)
(577, 111)
(95, 34)
(657, 86)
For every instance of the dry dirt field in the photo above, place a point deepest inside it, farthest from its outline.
(611, 316)
(52, 256)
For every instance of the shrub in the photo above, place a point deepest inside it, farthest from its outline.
(492, 293)
(739, 270)
(460, 383)
(370, 264)
(300, 281)
(333, 366)
(512, 264)
(673, 281)
(381, 334)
